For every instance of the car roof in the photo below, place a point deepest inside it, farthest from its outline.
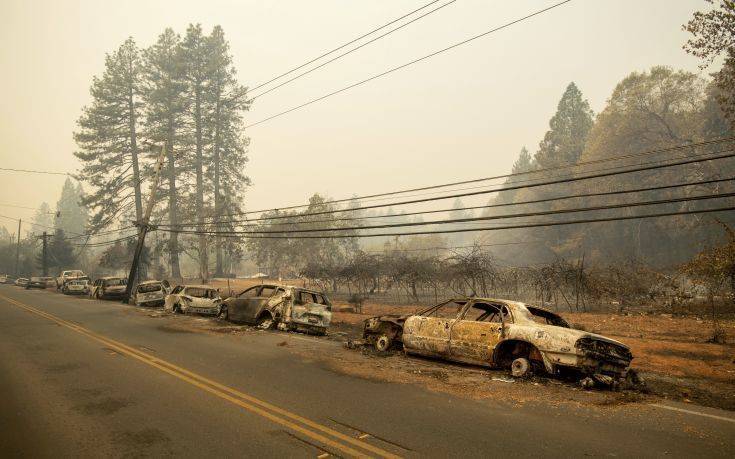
(208, 287)
(150, 282)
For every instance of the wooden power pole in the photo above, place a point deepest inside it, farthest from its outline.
(17, 252)
(143, 225)
(44, 260)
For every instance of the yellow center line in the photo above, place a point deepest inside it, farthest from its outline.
(222, 391)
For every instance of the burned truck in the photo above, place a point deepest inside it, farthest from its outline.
(503, 334)
(283, 307)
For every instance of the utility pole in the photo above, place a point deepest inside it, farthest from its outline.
(17, 251)
(143, 225)
(45, 237)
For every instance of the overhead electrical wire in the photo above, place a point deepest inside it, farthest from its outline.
(690, 160)
(415, 61)
(350, 51)
(534, 172)
(474, 219)
(342, 46)
(35, 171)
(484, 207)
(495, 228)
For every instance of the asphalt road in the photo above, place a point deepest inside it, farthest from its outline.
(85, 378)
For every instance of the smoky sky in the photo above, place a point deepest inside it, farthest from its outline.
(461, 115)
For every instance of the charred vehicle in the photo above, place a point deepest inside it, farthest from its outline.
(503, 334)
(108, 288)
(21, 281)
(36, 282)
(69, 275)
(281, 306)
(76, 287)
(194, 299)
(150, 293)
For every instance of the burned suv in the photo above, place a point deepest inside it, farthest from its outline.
(504, 334)
(281, 306)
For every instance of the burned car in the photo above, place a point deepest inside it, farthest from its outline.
(150, 293)
(503, 334)
(36, 282)
(194, 299)
(108, 288)
(76, 287)
(281, 306)
(69, 275)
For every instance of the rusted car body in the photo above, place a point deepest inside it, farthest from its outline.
(150, 293)
(281, 306)
(108, 288)
(194, 299)
(501, 333)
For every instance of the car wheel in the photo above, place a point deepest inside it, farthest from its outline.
(383, 343)
(265, 322)
(520, 367)
(223, 314)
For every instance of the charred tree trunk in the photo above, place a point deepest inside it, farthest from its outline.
(173, 210)
(217, 197)
(134, 155)
(199, 167)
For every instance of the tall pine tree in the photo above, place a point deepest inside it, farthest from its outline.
(227, 100)
(108, 139)
(71, 216)
(165, 108)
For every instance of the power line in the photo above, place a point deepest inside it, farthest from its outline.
(516, 174)
(351, 51)
(342, 46)
(489, 206)
(496, 228)
(477, 219)
(35, 171)
(104, 243)
(727, 153)
(394, 69)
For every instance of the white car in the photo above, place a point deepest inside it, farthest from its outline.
(66, 276)
(194, 299)
(76, 287)
(150, 293)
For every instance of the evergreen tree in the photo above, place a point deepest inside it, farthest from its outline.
(196, 58)
(569, 127)
(71, 216)
(60, 250)
(108, 138)
(165, 109)
(43, 218)
(227, 100)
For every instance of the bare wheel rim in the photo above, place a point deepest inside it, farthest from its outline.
(520, 367)
(383, 343)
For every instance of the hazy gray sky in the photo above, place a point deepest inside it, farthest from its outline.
(461, 115)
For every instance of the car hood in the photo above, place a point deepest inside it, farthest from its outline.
(572, 334)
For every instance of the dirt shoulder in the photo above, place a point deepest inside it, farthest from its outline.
(671, 353)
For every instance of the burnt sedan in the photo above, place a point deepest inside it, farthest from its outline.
(36, 282)
(281, 306)
(504, 334)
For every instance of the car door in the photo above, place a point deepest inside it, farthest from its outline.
(246, 306)
(428, 334)
(476, 332)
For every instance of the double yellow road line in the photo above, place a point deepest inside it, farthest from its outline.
(326, 436)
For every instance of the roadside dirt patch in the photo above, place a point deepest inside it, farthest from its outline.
(672, 353)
